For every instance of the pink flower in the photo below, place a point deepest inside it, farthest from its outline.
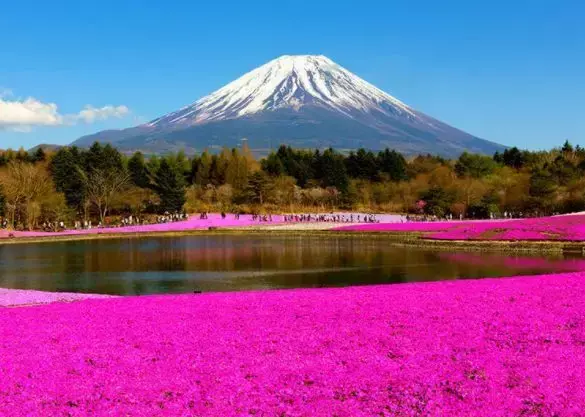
(502, 347)
(564, 228)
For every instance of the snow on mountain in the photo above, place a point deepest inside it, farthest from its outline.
(289, 81)
(303, 101)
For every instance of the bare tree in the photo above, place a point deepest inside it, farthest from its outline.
(102, 187)
(25, 186)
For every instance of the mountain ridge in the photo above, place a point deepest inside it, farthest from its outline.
(306, 101)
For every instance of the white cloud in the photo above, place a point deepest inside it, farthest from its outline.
(90, 114)
(28, 113)
(5, 92)
(23, 115)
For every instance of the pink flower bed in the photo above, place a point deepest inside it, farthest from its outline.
(568, 228)
(506, 347)
(193, 223)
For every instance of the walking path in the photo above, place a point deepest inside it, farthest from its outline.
(13, 298)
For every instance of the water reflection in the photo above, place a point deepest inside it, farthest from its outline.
(226, 263)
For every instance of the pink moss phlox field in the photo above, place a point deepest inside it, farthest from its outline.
(10, 297)
(564, 228)
(506, 347)
(193, 223)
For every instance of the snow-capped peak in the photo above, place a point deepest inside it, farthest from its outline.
(305, 101)
(290, 81)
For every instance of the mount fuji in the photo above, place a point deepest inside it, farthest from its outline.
(305, 101)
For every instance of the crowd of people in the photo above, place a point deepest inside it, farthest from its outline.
(430, 218)
(260, 217)
(175, 217)
(331, 218)
(53, 226)
(307, 218)
(172, 217)
(130, 220)
(255, 217)
(264, 218)
(507, 215)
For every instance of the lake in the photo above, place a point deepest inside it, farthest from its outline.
(153, 265)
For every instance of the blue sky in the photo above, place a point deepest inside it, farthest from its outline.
(508, 71)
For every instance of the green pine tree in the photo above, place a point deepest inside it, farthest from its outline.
(65, 169)
(334, 171)
(393, 164)
(170, 187)
(259, 185)
(139, 174)
(38, 156)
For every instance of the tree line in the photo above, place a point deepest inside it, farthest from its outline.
(103, 184)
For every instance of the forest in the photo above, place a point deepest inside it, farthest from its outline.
(102, 184)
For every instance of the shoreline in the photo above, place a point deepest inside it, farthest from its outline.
(414, 239)
(556, 234)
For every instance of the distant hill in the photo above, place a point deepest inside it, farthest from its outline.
(46, 147)
(302, 101)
